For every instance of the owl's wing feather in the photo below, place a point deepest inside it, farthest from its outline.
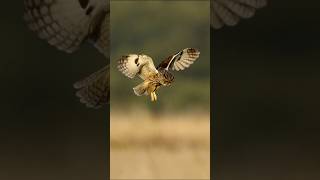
(229, 12)
(65, 24)
(134, 64)
(94, 91)
(181, 60)
(100, 37)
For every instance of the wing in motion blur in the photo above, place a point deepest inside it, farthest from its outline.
(66, 24)
(229, 12)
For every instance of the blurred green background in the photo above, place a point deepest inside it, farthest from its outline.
(160, 29)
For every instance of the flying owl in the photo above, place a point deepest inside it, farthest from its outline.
(66, 24)
(155, 77)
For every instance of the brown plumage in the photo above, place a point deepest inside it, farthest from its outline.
(154, 78)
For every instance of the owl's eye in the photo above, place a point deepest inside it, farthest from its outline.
(136, 60)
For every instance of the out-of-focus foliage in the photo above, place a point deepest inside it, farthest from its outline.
(160, 29)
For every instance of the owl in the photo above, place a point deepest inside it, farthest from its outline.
(66, 24)
(155, 77)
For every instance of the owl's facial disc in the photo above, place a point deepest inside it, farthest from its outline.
(167, 82)
(167, 78)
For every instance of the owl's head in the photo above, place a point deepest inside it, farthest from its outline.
(167, 77)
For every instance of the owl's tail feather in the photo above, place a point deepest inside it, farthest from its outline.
(141, 89)
(94, 90)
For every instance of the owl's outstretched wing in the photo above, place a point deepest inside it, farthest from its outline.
(180, 60)
(229, 12)
(65, 24)
(134, 64)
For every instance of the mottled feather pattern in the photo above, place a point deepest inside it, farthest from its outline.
(181, 60)
(123, 66)
(187, 57)
(136, 64)
(152, 77)
(229, 12)
(66, 24)
(94, 90)
(40, 19)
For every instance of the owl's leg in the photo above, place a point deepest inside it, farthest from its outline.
(155, 96)
(150, 91)
(152, 96)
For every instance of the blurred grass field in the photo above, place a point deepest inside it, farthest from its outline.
(166, 147)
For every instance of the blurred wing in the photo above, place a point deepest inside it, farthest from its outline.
(229, 12)
(133, 64)
(101, 37)
(180, 60)
(94, 90)
(65, 24)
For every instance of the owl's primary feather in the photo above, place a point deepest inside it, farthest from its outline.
(229, 12)
(66, 24)
(181, 60)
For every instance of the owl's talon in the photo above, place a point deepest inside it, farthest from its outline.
(155, 96)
